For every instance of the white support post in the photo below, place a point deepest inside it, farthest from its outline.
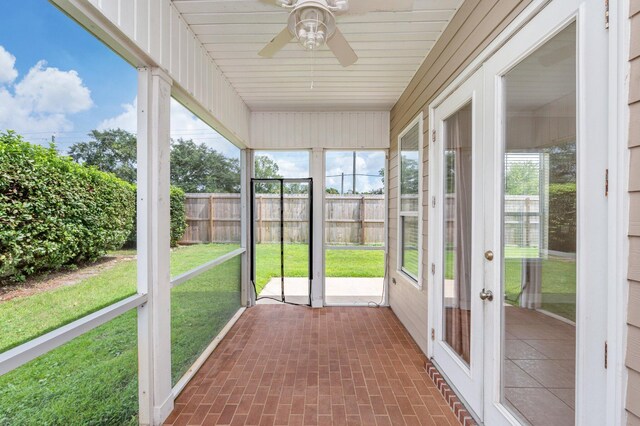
(154, 317)
(317, 173)
(246, 163)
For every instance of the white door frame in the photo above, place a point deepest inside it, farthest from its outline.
(538, 24)
(466, 379)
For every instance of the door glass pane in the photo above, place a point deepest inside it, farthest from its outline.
(297, 227)
(457, 232)
(539, 234)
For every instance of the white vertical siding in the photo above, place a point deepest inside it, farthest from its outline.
(306, 130)
(157, 29)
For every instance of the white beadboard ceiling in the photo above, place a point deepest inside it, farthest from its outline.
(391, 46)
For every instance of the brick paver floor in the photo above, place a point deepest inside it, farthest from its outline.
(289, 365)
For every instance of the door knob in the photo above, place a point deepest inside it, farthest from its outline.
(488, 255)
(486, 295)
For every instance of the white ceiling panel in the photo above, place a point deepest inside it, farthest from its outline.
(390, 46)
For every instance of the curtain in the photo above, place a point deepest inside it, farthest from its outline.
(459, 194)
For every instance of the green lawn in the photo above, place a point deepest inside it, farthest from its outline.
(558, 280)
(93, 378)
(339, 263)
(558, 285)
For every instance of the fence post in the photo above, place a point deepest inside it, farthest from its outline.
(211, 222)
(362, 220)
(259, 197)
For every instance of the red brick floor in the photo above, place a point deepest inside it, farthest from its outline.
(287, 365)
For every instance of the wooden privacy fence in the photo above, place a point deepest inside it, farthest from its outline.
(349, 219)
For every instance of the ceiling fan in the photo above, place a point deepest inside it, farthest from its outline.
(313, 23)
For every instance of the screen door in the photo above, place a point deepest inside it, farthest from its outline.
(282, 238)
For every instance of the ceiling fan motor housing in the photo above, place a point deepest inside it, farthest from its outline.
(312, 23)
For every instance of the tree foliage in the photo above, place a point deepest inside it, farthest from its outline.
(54, 212)
(194, 167)
(522, 178)
(199, 168)
(112, 151)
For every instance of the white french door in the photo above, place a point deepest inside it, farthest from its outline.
(518, 232)
(458, 315)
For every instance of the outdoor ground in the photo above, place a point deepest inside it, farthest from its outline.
(93, 378)
(338, 263)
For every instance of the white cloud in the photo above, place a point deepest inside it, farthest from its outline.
(127, 120)
(8, 73)
(49, 90)
(42, 100)
(184, 125)
(368, 165)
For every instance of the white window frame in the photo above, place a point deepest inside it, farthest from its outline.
(416, 281)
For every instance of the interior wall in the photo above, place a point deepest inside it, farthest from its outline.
(633, 319)
(474, 26)
(331, 130)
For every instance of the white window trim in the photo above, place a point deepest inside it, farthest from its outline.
(416, 281)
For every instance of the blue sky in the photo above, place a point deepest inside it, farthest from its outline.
(82, 85)
(295, 164)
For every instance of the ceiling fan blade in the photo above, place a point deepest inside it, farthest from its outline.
(341, 48)
(357, 7)
(276, 44)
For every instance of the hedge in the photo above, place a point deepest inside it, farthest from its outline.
(55, 212)
(562, 217)
(178, 218)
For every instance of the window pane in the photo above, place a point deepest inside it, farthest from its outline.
(409, 170)
(410, 245)
(457, 232)
(92, 379)
(200, 308)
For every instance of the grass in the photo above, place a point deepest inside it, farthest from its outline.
(93, 378)
(558, 280)
(338, 263)
(558, 285)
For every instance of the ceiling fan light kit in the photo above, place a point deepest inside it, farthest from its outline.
(313, 24)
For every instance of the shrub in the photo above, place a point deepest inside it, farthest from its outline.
(55, 212)
(562, 217)
(178, 215)
(178, 219)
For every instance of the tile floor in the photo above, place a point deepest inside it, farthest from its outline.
(540, 367)
(287, 365)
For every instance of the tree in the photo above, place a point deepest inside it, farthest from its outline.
(199, 168)
(112, 151)
(266, 168)
(522, 178)
(194, 167)
(410, 176)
